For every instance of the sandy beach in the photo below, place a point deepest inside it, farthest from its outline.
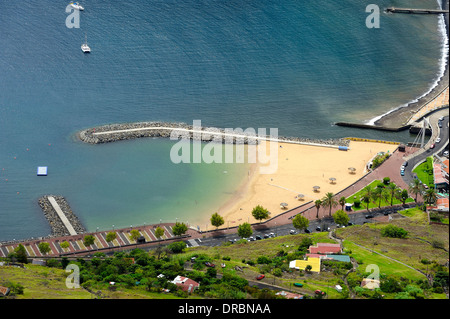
(300, 168)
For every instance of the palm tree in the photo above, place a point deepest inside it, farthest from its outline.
(367, 195)
(378, 194)
(342, 202)
(393, 190)
(318, 203)
(416, 188)
(430, 196)
(329, 201)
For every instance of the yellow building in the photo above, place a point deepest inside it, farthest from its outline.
(314, 262)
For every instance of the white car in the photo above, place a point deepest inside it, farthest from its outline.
(438, 140)
(446, 153)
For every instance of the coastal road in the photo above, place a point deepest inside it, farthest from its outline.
(442, 133)
(358, 218)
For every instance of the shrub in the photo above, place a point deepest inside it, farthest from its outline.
(393, 232)
(357, 203)
(263, 260)
(177, 247)
(277, 272)
(386, 180)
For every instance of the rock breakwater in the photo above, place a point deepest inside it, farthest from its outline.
(56, 224)
(127, 131)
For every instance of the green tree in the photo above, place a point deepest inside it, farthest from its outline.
(64, 245)
(159, 232)
(404, 196)
(179, 229)
(217, 220)
(44, 248)
(88, 240)
(245, 230)
(416, 188)
(329, 201)
(134, 234)
(111, 236)
(21, 254)
(177, 247)
(318, 204)
(300, 222)
(340, 217)
(260, 213)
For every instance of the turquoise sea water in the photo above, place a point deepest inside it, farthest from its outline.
(298, 66)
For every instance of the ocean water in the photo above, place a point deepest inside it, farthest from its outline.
(295, 65)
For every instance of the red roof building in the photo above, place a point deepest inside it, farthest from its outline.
(185, 283)
(324, 248)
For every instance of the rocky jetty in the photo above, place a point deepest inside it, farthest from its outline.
(127, 131)
(57, 226)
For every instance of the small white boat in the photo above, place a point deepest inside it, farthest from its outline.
(85, 47)
(77, 6)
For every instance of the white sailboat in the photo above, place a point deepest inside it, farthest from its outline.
(85, 47)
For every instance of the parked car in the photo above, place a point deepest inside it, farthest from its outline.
(297, 284)
(266, 236)
(445, 153)
(292, 232)
(441, 118)
(350, 224)
(307, 230)
(258, 237)
(319, 292)
(432, 146)
(405, 164)
(369, 216)
(318, 228)
(402, 173)
(272, 235)
(440, 124)
(259, 277)
(438, 140)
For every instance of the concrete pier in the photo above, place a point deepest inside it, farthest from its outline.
(61, 215)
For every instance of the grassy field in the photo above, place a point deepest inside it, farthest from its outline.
(423, 174)
(41, 282)
(419, 244)
(351, 199)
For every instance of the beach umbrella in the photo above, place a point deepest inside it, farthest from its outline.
(352, 170)
(316, 188)
(332, 179)
(283, 205)
(300, 196)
